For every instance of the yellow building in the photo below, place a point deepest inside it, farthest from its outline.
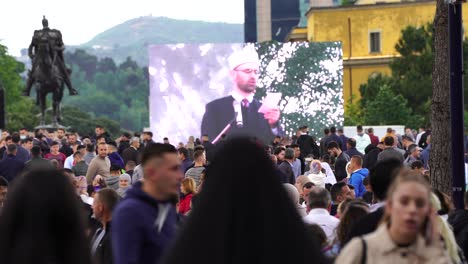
(368, 32)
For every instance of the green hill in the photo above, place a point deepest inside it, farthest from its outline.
(132, 37)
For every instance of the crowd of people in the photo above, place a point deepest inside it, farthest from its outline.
(69, 198)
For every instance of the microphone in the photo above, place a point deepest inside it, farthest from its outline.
(238, 113)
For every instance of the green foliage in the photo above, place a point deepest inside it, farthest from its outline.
(18, 108)
(353, 115)
(387, 108)
(411, 79)
(119, 93)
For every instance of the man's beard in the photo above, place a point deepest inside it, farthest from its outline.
(248, 88)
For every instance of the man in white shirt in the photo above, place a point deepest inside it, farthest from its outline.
(362, 140)
(319, 204)
(70, 159)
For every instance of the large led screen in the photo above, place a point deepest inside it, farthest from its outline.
(262, 89)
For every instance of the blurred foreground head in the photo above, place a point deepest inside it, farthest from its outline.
(42, 222)
(243, 215)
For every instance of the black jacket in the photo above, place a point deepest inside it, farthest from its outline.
(103, 253)
(287, 174)
(11, 167)
(131, 154)
(308, 146)
(370, 159)
(220, 112)
(354, 152)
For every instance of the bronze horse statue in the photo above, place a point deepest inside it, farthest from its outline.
(49, 73)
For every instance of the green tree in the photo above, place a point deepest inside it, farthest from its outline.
(387, 108)
(20, 111)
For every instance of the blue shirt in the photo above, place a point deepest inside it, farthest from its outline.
(296, 167)
(357, 179)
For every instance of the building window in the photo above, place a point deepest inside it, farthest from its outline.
(374, 42)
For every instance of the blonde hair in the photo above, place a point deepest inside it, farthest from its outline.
(189, 185)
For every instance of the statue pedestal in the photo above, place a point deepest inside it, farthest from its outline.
(52, 127)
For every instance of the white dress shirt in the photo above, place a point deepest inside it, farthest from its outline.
(69, 162)
(322, 218)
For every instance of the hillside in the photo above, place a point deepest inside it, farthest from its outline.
(132, 37)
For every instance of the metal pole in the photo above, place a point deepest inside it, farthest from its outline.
(456, 102)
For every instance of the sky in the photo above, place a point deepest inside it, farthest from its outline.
(79, 21)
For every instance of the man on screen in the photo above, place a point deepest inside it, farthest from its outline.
(241, 109)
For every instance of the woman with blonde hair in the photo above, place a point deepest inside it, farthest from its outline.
(187, 188)
(409, 232)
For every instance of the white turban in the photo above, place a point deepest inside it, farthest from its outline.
(243, 56)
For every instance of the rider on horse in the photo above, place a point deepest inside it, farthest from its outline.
(51, 40)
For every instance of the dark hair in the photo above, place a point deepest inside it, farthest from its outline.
(308, 185)
(352, 142)
(333, 145)
(80, 147)
(417, 164)
(99, 138)
(184, 152)
(359, 128)
(370, 130)
(3, 182)
(351, 187)
(30, 233)
(11, 148)
(114, 167)
(278, 150)
(67, 172)
(354, 211)
(112, 143)
(444, 205)
(36, 151)
(326, 131)
(62, 129)
(149, 133)
(156, 150)
(127, 135)
(165, 138)
(198, 147)
(381, 176)
(76, 154)
(293, 146)
(109, 198)
(15, 137)
(99, 126)
(54, 143)
(389, 130)
(90, 147)
(8, 138)
(326, 158)
(319, 198)
(388, 141)
(336, 190)
(333, 129)
(26, 140)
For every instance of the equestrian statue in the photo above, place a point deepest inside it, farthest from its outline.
(48, 73)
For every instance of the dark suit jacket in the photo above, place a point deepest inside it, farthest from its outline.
(131, 154)
(11, 167)
(22, 154)
(287, 173)
(103, 253)
(308, 146)
(220, 112)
